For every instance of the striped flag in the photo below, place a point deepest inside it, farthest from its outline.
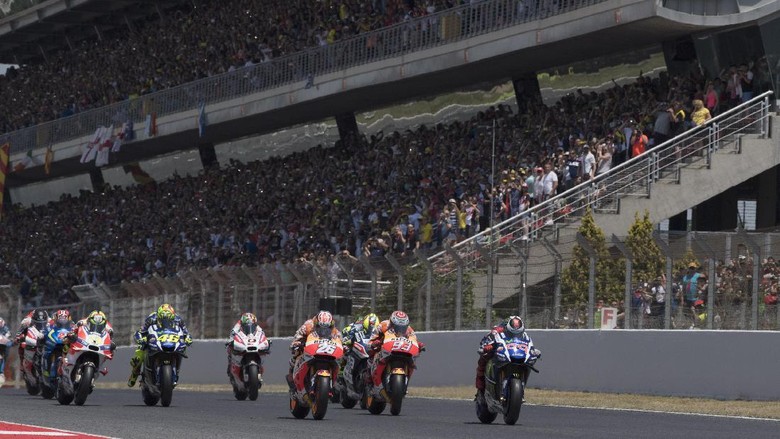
(4, 155)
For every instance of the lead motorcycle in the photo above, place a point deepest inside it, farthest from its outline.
(313, 374)
(165, 348)
(48, 366)
(30, 370)
(351, 385)
(5, 346)
(399, 352)
(246, 363)
(86, 355)
(505, 377)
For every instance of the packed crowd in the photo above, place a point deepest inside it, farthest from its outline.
(433, 185)
(198, 39)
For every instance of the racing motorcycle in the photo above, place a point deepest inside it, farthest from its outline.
(505, 378)
(399, 352)
(313, 375)
(165, 348)
(351, 385)
(54, 341)
(5, 346)
(246, 363)
(86, 355)
(30, 369)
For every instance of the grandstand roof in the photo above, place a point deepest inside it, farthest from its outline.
(52, 25)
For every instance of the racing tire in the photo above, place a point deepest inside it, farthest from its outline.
(85, 384)
(484, 415)
(149, 398)
(396, 387)
(47, 392)
(347, 402)
(31, 390)
(375, 406)
(253, 381)
(321, 397)
(515, 401)
(298, 411)
(364, 400)
(240, 394)
(166, 384)
(62, 397)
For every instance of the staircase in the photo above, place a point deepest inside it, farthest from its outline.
(677, 175)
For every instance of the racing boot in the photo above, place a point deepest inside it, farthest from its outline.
(135, 366)
(290, 382)
(480, 397)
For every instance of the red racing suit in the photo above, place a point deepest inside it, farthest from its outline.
(296, 347)
(485, 353)
(377, 337)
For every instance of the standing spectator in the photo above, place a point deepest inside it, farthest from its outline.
(549, 188)
(412, 241)
(711, 99)
(746, 82)
(604, 163)
(700, 114)
(638, 143)
(690, 290)
(662, 128)
(588, 163)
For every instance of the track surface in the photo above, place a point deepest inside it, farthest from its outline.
(121, 413)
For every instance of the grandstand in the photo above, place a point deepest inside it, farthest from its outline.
(273, 233)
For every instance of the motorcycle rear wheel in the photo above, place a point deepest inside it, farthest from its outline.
(484, 415)
(166, 384)
(346, 401)
(240, 394)
(321, 397)
(149, 398)
(47, 392)
(85, 384)
(375, 406)
(62, 397)
(396, 385)
(253, 381)
(515, 402)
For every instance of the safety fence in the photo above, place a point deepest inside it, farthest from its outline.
(463, 22)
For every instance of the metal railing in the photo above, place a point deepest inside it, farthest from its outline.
(634, 178)
(445, 27)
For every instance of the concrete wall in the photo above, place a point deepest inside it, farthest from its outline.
(714, 364)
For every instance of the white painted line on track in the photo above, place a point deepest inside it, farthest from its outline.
(708, 415)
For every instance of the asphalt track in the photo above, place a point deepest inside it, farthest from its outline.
(121, 413)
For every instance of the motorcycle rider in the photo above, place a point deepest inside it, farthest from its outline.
(40, 320)
(323, 325)
(60, 320)
(96, 321)
(360, 329)
(246, 324)
(399, 324)
(165, 315)
(514, 327)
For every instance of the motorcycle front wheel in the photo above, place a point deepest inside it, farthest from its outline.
(82, 391)
(396, 385)
(321, 397)
(32, 390)
(253, 381)
(515, 401)
(166, 384)
(298, 411)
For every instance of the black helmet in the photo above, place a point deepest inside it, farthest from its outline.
(40, 319)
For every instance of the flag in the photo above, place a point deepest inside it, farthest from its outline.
(89, 151)
(150, 129)
(202, 119)
(27, 162)
(139, 175)
(48, 160)
(4, 156)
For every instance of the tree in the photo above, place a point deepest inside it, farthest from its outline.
(648, 260)
(610, 277)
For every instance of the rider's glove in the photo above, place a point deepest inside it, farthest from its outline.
(422, 346)
(536, 353)
(71, 337)
(113, 346)
(188, 340)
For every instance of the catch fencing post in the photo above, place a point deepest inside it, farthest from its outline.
(428, 286)
(629, 271)
(300, 292)
(363, 259)
(711, 258)
(583, 242)
(756, 249)
(255, 281)
(487, 256)
(557, 280)
(521, 251)
(459, 285)
(274, 276)
(667, 252)
(400, 271)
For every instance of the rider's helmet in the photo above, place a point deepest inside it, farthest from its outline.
(40, 319)
(369, 322)
(323, 324)
(248, 323)
(399, 321)
(96, 321)
(165, 315)
(515, 326)
(62, 318)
